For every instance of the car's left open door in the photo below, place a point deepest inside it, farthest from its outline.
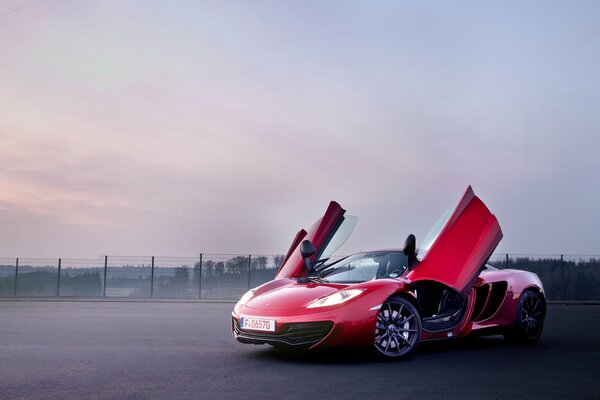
(327, 234)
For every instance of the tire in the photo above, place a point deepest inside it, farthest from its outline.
(397, 329)
(529, 320)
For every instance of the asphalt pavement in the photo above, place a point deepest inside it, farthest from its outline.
(147, 350)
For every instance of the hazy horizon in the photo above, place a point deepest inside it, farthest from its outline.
(174, 128)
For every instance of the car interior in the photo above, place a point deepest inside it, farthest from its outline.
(442, 307)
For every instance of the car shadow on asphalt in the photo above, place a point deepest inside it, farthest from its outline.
(352, 355)
(472, 343)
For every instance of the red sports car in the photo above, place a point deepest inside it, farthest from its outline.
(392, 299)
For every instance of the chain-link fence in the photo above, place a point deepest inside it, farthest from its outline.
(208, 276)
(228, 276)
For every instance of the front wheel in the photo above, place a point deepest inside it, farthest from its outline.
(530, 319)
(398, 329)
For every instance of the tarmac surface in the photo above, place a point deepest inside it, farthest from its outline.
(147, 350)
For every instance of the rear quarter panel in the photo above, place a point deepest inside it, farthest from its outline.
(517, 283)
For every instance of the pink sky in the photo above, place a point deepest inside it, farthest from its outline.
(183, 127)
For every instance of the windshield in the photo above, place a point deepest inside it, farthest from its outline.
(366, 266)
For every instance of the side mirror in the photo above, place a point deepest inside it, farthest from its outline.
(410, 246)
(307, 249)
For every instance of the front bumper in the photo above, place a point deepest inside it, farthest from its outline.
(296, 335)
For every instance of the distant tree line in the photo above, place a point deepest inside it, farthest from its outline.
(563, 280)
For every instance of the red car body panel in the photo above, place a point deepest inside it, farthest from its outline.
(456, 259)
(466, 241)
(353, 321)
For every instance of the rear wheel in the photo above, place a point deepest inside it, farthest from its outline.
(398, 329)
(530, 319)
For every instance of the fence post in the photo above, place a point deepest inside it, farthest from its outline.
(506, 261)
(249, 268)
(562, 277)
(200, 278)
(58, 279)
(152, 278)
(105, 268)
(16, 275)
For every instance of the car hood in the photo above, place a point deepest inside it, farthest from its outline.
(291, 296)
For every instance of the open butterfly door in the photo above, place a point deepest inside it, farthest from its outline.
(327, 234)
(465, 242)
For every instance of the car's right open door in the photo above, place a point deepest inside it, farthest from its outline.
(464, 243)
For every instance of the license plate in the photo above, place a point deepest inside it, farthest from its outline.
(257, 324)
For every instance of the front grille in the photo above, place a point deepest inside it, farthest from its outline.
(302, 334)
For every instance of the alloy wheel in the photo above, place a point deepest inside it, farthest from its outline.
(398, 328)
(531, 316)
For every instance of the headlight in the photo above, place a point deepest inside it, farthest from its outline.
(247, 296)
(336, 298)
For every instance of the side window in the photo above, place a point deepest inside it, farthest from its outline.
(340, 236)
(433, 234)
